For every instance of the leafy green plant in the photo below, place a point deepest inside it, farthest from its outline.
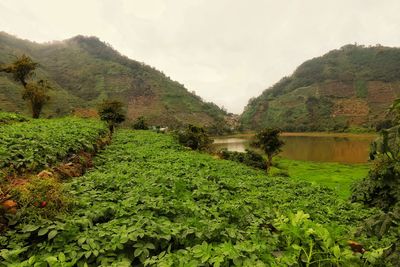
(34, 145)
(151, 202)
(8, 117)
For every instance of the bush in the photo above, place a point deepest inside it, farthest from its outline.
(140, 124)
(385, 124)
(194, 137)
(249, 158)
(382, 186)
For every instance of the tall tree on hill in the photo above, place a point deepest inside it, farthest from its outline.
(268, 140)
(23, 69)
(36, 94)
(112, 112)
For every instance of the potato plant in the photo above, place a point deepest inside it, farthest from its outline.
(151, 202)
(33, 145)
(7, 117)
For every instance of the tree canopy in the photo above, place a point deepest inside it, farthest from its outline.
(268, 140)
(112, 112)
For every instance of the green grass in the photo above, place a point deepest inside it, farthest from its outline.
(336, 176)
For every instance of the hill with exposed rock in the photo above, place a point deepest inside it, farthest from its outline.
(351, 87)
(84, 70)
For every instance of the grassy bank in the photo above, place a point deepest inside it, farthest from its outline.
(336, 176)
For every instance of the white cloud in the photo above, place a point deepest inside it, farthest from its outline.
(226, 50)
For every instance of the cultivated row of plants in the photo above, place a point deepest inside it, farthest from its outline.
(34, 145)
(152, 202)
(7, 117)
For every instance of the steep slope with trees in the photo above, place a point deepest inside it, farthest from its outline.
(348, 87)
(83, 71)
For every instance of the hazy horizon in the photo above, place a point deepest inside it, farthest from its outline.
(226, 52)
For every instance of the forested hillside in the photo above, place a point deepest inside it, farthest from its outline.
(345, 88)
(83, 71)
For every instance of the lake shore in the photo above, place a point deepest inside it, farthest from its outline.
(347, 148)
(249, 135)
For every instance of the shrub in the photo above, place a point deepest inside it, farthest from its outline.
(140, 124)
(194, 137)
(249, 158)
(382, 186)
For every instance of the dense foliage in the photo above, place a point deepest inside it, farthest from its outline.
(33, 145)
(112, 112)
(382, 187)
(22, 69)
(334, 92)
(194, 137)
(36, 94)
(268, 140)
(249, 158)
(140, 124)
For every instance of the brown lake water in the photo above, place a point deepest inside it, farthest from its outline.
(322, 147)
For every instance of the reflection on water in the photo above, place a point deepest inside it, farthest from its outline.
(353, 149)
(232, 144)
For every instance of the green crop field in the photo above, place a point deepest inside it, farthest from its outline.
(152, 202)
(33, 145)
(7, 117)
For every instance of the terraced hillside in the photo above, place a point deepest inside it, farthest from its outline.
(349, 87)
(83, 71)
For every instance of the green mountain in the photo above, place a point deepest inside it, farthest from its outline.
(349, 87)
(83, 71)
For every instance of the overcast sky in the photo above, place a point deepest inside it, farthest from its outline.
(227, 51)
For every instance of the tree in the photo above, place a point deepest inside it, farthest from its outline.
(35, 93)
(268, 140)
(112, 112)
(194, 137)
(23, 68)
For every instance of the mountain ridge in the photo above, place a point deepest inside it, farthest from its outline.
(84, 70)
(350, 87)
